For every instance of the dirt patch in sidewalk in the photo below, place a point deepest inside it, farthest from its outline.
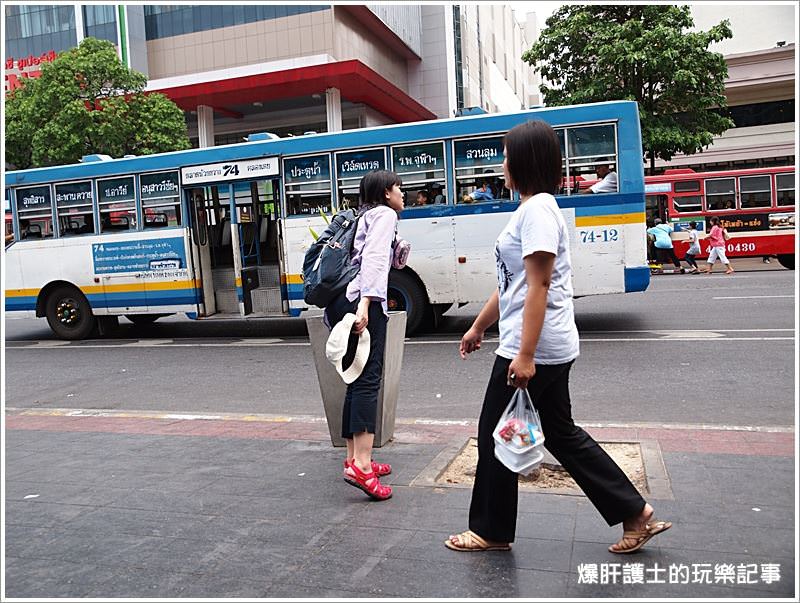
(549, 476)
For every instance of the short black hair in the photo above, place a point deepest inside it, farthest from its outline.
(424, 193)
(692, 224)
(714, 220)
(373, 186)
(533, 156)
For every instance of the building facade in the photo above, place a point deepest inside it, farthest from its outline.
(291, 69)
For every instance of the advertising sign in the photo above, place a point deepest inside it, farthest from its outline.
(139, 256)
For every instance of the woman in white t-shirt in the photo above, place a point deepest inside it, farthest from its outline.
(538, 344)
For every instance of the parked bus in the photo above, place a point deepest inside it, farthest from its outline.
(222, 231)
(756, 206)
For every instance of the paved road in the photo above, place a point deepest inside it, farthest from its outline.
(692, 349)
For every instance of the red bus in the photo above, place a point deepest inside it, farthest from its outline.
(756, 206)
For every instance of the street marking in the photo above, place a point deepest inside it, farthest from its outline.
(756, 297)
(271, 418)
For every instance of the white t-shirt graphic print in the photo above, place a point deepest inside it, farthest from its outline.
(536, 225)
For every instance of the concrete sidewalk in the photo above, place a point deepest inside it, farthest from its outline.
(149, 505)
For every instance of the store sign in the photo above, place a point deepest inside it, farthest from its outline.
(356, 164)
(418, 158)
(228, 171)
(32, 199)
(75, 193)
(479, 153)
(158, 186)
(116, 189)
(18, 69)
(304, 170)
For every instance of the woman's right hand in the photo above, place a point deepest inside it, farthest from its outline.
(362, 316)
(471, 342)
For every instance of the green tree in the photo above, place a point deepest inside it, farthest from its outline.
(87, 101)
(644, 53)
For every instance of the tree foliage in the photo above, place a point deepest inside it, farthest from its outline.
(87, 101)
(644, 53)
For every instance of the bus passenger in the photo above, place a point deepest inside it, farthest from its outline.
(422, 198)
(438, 197)
(538, 345)
(380, 203)
(607, 177)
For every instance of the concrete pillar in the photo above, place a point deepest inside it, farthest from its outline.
(205, 126)
(79, 26)
(333, 108)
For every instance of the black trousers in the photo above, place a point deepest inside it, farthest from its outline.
(493, 511)
(361, 401)
(667, 255)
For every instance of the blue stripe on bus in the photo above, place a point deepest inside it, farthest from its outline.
(292, 291)
(20, 303)
(625, 113)
(637, 278)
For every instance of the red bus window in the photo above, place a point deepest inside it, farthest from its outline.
(720, 194)
(755, 191)
(784, 185)
(687, 203)
(689, 186)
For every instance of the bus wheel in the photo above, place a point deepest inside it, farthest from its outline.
(787, 260)
(69, 313)
(142, 320)
(406, 294)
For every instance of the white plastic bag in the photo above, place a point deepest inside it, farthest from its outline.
(518, 436)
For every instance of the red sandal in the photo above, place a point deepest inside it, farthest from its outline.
(368, 482)
(380, 468)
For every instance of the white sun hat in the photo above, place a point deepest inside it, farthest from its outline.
(336, 348)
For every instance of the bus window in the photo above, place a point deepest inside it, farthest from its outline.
(720, 194)
(687, 203)
(755, 191)
(351, 166)
(117, 201)
(307, 181)
(479, 170)
(784, 185)
(421, 167)
(35, 212)
(161, 203)
(588, 148)
(75, 209)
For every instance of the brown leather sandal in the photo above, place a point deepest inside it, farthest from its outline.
(470, 542)
(639, 537)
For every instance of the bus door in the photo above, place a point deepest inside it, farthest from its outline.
(258, 252)
(201, 256)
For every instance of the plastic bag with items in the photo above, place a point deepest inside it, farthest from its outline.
(518, 437)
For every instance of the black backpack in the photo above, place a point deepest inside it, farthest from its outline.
(326, 268)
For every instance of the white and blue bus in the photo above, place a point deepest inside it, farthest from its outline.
(222, 231)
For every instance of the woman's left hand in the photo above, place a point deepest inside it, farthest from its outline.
(523, 368)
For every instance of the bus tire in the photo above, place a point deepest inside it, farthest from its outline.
(786, 260)
(69, 314)
(142, 320)
(405, 293)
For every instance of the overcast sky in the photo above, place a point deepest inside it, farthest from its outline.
(542, 10)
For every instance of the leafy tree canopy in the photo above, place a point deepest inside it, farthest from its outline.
(87, 101)
(644, 53)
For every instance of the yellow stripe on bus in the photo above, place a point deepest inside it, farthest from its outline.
(607, 220)
(123, 288)
(291, 279)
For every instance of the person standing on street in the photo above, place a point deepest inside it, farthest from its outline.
(538, 345)
(380, 203)
(694, 248)
(717, 237)
(663, 243)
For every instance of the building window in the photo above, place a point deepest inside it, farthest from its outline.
(36, 29)
(100, 21)
(167, 21)
(762, 114)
